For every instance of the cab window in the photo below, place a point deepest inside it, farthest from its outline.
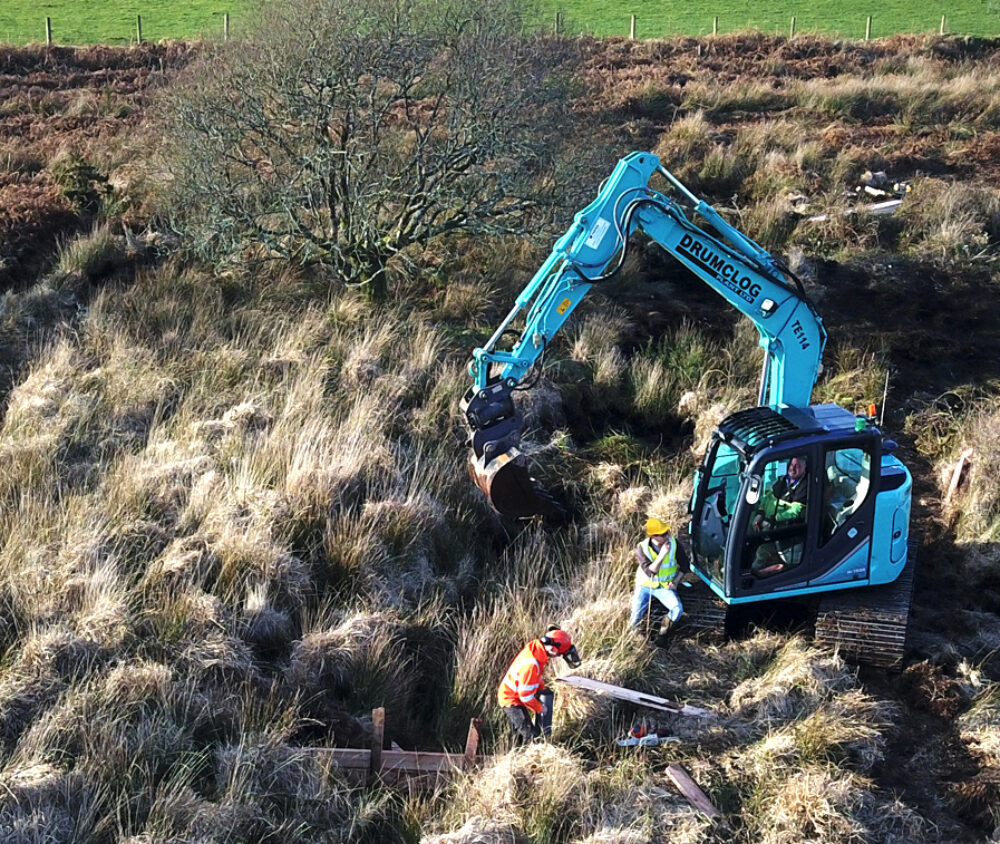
(776, 530)
(846, 483)
(711, 522)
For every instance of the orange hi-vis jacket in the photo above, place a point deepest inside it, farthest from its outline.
(523, 681)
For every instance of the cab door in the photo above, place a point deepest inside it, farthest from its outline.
(850, 478)
(713, 502)
(777, 516)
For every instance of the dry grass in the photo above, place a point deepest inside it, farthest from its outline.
(800, 674)
(978, 506)
(234, 515)
(980, 726)
(544, 793)
(803, 777)
(229, 481)
(951, 223)
(800, 766)
(816, 805)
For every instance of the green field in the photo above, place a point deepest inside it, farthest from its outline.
(102, 21)
(847, 18)
(111, 22)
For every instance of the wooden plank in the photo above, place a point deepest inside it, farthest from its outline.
(416, 769)
(956, 475)
(472, 742)
(400, 761)
(378, 739)
(620, 693)
(416, 762)
(692, 793)
(344, 757)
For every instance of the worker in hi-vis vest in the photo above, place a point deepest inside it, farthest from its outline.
(662, 560)
(522, 693)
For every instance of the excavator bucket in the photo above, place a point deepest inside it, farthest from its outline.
(510, 489)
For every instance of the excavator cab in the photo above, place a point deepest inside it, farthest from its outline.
(846, 527)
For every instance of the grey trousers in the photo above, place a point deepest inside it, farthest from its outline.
(526, 724)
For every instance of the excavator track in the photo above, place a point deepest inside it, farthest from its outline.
(704, 612)
(864, 625)
(870, 625)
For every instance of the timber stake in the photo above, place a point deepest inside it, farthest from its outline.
(692, 793)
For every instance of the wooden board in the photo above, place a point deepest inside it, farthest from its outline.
(349, 758)
(413, 762)
(639, 698)
(472, 742)
(378, 739)
(397, 761)
(396, 764)
(692, 793)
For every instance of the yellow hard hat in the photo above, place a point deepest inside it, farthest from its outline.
(654, 527)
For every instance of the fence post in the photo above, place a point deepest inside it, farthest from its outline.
(378, 738)
(631, 28)
(556, 27)
(472, 742)
(791, 31)
(138, 28)
(944, 26)
(48, 32)
(715, 25)
(225, 26)
(868, 29)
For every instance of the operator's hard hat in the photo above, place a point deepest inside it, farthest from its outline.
(558, 639)
(654, 527)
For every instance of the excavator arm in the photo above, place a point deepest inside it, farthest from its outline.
(591, 252)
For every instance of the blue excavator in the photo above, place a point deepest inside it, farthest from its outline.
(847, 550)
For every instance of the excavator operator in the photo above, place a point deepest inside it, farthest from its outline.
(522, 692)
(784, 503)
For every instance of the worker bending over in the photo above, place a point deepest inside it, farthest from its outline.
(522, 694)
(661, 560)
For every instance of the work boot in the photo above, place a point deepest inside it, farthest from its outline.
(663, 637)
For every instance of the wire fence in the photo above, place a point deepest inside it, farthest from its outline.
(130, 33)
(48, 32)
(559, 28)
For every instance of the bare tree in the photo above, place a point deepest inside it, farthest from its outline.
(346, 132)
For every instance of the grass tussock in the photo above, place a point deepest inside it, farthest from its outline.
(815, 803)
(980, 726)
(946, 224)
(804, 775)
(89, 258)
(978, 508)
(543, 793)
(800, 674)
